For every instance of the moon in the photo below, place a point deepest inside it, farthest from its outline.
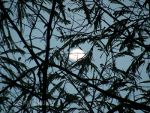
(76, 54)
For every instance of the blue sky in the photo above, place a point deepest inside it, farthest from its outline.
(99, 57)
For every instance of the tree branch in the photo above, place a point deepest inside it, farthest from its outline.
(133, 104)
(45, 65)
(19, 33)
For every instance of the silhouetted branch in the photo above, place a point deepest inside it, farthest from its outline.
(132, 103)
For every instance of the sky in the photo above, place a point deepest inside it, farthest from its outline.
(98, 56)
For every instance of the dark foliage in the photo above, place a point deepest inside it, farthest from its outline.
(36, 74)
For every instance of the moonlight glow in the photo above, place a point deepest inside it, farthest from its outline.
(76, 54)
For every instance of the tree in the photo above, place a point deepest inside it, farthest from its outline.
(37, 76)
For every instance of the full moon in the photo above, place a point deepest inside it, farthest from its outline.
(76, 54)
